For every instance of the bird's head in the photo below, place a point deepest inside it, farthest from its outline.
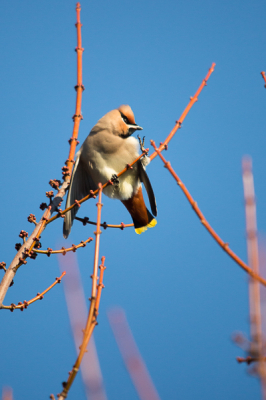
(125, 122)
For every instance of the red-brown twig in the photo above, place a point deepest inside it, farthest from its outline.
(90, 325)
(264, 77)
(256, 344)
(179, 122)
(79, 88)
(224, 245)
(133, 361)
(94, 302)
(77, 311)
(25, 304)
(74, 247)
(85, 221)
(249, 359)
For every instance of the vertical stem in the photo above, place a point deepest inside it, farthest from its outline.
(94, 302)
(253, 260)
(97, 241)
(79, 88)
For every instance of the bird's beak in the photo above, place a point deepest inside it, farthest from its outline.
(132, 128)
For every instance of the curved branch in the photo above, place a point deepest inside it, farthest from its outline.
(25, 304)
(63, 250)
(224, 246)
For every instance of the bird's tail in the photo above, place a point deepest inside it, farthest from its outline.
(141, 216)
(139, 228)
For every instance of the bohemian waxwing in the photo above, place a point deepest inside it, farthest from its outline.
(106, 151)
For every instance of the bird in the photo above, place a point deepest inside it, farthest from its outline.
(106, 151)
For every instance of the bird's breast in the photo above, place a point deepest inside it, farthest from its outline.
(105, 156)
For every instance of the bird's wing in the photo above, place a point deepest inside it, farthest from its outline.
(80, 186)
(145, 179)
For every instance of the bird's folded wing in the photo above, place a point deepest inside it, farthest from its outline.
(80, 186)
(145, 179)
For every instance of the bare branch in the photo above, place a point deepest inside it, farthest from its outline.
(224, 246)
(74, 247)
(21, 306)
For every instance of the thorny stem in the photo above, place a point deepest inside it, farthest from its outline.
(39, 296)
(204, 222)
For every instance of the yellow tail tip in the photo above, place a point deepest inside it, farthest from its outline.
(144, 228)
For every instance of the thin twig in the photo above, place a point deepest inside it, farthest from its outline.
(179, 122)
(63, 250)
(264, 77)
(77, 311)
(94, 302)
(224, 245)
(86, 220)
(25, 304)
(249, 359)
(73, 141)
(90, 325)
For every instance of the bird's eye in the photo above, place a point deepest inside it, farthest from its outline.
(124, 118)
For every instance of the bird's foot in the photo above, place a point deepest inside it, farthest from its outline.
(141, 144)
(115, 179)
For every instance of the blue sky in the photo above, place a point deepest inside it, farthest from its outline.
(182, 295)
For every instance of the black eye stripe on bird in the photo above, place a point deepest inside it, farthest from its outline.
(105, 152)
(124, 118)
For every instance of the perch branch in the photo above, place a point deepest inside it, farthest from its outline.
(93, 194)
(204, 222)
(178, 124)
(25, 304)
